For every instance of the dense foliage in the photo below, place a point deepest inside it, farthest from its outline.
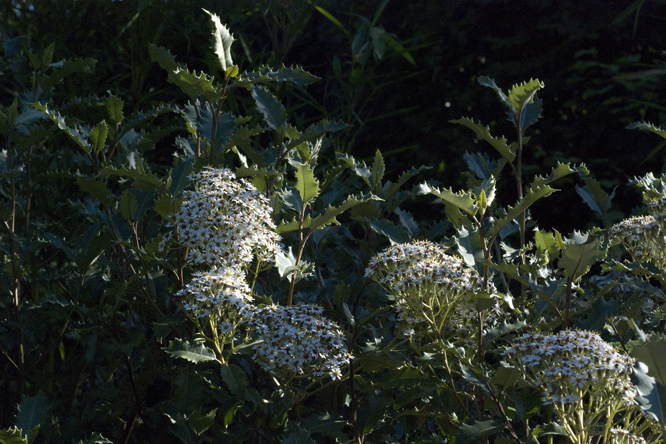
(216, 238)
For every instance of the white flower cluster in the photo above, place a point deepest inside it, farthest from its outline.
(225, 220)
(427, 284)
(221, 295)
(299, 341)
(574, 365)
(622, 436)
(641, 236)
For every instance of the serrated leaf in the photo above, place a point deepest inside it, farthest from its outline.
(32, 414)
(652, 397)
(478, 428)
(327, 217)
(462, 200)
(483, 133)
(523, 93)
(306, 183)
(235, 379)
(189, 82)
(559, 171)
(647, 126)
(77, 134)
(270, 107)
(128, 205)
(98, 136)
(470, 246)
(97, 189)
(580, 252)
(222, 40)
(114, 109)
(266, 74)
(144, 178)
(65, 68)
(653, 354)
(13, 435)
(512, 213)
(377, 172)
(490, 83)
(595, 197)
(407, 221)
(196, 352)
(396, 234)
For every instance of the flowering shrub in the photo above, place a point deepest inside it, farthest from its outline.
(179, 315)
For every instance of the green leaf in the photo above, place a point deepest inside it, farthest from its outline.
(294, 434)
(397, 46)
(377, 172)
(196, 352)
(407, 221)
(522, 94)
(490, 83)
(97, 189)
(334, 20)
(98, 135)
(483, 133)
(190, 83)
(271, 108)
(559, 171)
(12, 436)
(506, 376)
(8, 120)
(595, 197)
(114, 108)
(646, 126)
(32, 414)
(96, 438)
(144, 179)
(580, 252)
(470, 246)
(396, 234)
(77, 134)
(652, 397)
(222, 40)
(128, 205)
(327, 217)
(65, 68)
(306, 183)
(653, 354)
(473, 431)
(266, 74)
(533, 195)
(464, 201)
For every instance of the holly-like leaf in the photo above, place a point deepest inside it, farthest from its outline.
(195, 352)
(222, 40)
(13, 436)
(77, 134)
(266, 74)
(483, 133)
(114, 108)
(273, 111)
(306, 183)
(31, 415)
(235, 379)
(522, 94)
(377, 172)
(580, 252)
(327, 217)
(533, 195)
(595, 197)
(559, 171)
(65, 68)
(98, 136)
(653, 354)
(464, 201)
(646, 126)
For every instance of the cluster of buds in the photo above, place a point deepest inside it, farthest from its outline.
(429, 286)
(642, 237)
